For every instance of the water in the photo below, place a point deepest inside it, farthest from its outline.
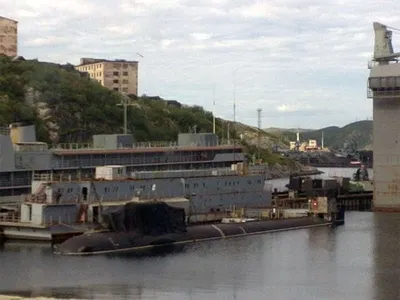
(356, 261)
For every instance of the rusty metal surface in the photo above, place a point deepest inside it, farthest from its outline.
(387, 209)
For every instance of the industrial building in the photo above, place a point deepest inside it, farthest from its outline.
(118, 75)
(8, 37)
(384, 89)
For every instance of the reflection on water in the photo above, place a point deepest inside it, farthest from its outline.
(386, 255)
(356, 261)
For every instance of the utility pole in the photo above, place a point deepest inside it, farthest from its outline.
(126, 101)
(214, 108)
(234, 112)
(259, 132)
(228, 134)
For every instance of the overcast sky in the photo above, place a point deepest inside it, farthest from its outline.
(303, 62)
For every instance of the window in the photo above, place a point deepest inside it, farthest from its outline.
(115, 73)
(125, 73)
(125, 81)
(125, 66)
(115, 89)
(115, 81)
(125, 90)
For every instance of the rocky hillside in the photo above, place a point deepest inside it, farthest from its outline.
(357, 135)
(66, 106)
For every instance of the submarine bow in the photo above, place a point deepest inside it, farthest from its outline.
(134, 225)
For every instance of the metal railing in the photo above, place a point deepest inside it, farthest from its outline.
(10, 217)
(372, 63)
(39, 147)
(51, 177)
(73, 146)
(141, 145)
(383, 93)
(250, 170)
(4, 130)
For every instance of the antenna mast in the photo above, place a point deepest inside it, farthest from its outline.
(214, 109)
(322, 140)
(259, 132)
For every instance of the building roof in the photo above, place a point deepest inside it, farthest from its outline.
(4, 18)
(100, 60)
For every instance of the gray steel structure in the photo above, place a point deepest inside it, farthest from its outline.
(211, 193)
(384, 89)
(21, 156)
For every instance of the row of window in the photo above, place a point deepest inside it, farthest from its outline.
(115, 189)
(99, 66)
(123, 73)
(125, 90)
(125, 81)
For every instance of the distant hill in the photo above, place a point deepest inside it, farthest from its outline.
(357, 135)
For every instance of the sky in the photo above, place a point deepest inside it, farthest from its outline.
(303, 62)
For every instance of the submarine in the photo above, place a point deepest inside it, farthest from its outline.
(145, 227)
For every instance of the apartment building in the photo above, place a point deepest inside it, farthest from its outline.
(8, 37)
(118, 75)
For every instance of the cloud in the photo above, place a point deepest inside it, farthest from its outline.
(304, 62)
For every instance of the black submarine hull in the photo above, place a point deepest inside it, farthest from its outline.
(113, 242)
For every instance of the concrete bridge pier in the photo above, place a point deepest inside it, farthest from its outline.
(384, 89)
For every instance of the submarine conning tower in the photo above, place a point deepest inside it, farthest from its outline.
(384, 90)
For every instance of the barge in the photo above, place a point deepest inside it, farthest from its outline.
(63, 206)
(22, 158)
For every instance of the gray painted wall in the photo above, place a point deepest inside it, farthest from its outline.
(6, 154)
(207, 192)
(197, 139)
(386, 138)
(112, 141)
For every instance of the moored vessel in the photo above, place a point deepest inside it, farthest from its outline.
(154, 225)
(62, 205)
(22, 157)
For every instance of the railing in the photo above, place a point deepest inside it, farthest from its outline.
(11, 217)
(183, 173)
(141, 145)
(251, 170)
(39, 147)
(372, 63)
(49, 177)
(4, 130)
(394, 93)
(73, 146)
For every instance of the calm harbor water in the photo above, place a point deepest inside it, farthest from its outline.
(356, 261)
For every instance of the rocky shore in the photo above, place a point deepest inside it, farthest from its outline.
(281, 171)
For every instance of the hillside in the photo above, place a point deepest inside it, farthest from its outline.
(357, 135)
(280, 130)
(68, 107)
